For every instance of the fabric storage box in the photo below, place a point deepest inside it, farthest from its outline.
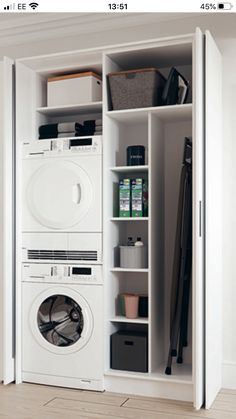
(72, 89)
(129, 351)
(136, 88)
(133, 257)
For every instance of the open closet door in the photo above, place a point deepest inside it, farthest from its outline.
(7, 151)
(213, 219)
(198, 220)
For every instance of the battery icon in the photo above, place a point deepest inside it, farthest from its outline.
(225, 6)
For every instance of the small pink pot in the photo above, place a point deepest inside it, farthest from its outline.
(131, 306)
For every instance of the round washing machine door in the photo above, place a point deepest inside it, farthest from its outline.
(59, 194)
(61, 320)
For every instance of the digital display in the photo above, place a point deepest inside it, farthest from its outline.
(81, 271)
(80, 142)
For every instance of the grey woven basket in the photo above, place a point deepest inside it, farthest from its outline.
(136, 88)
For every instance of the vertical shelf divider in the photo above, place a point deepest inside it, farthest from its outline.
(110, 230)
(156, 242)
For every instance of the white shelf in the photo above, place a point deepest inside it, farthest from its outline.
(84, 108)
(129, 219)
(129, 270)
(180, 374)
(129, 115)
(174, 113)
(123, 319)
(127, 169)
(171, 113)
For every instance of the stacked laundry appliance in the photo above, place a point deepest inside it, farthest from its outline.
(62, 284)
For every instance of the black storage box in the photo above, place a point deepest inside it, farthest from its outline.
(143, 306)
(129, 351)
(135, 155)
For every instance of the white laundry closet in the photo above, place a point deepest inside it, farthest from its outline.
(162, 130)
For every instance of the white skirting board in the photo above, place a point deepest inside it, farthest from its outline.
(229, 375)
(149, 388)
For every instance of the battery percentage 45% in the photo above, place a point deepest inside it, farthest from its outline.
(208, 6)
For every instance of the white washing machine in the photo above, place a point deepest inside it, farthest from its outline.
(62, 185)
(62, 325)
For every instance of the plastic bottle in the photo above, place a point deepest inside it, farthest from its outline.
(130, 241)
(138, 242)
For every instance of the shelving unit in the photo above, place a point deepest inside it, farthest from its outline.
(33, 75)
(162, 131)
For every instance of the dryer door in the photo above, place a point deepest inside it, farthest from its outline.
(61, 320)
(59, 194)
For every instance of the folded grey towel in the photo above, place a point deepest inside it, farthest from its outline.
(66, 134)
(67, 126)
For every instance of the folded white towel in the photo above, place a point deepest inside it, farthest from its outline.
(66, 127)
(66, 134)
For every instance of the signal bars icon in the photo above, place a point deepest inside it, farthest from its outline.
(10, 7)
(33, 5)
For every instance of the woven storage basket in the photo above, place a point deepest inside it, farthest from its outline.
(136, 88)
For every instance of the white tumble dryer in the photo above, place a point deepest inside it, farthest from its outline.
(62, 323)
(62, 200)
(62, 185)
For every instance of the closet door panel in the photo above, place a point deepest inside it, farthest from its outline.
(198, 221)
(214, 218)
(7, 152)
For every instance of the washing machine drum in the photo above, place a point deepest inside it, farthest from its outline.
(61, 322)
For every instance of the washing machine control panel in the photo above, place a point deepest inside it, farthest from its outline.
(63, 274)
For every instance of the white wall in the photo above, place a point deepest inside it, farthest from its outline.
(223, 28)
(1, 230)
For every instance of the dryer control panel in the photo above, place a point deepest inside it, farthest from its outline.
(62, 147)
(62, 274)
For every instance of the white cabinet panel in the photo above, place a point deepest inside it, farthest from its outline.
(213, 219)
(7, 192)
(198, 205)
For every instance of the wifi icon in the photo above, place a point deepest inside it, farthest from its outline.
(33, 5)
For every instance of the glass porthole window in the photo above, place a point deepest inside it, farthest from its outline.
(60, 320)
